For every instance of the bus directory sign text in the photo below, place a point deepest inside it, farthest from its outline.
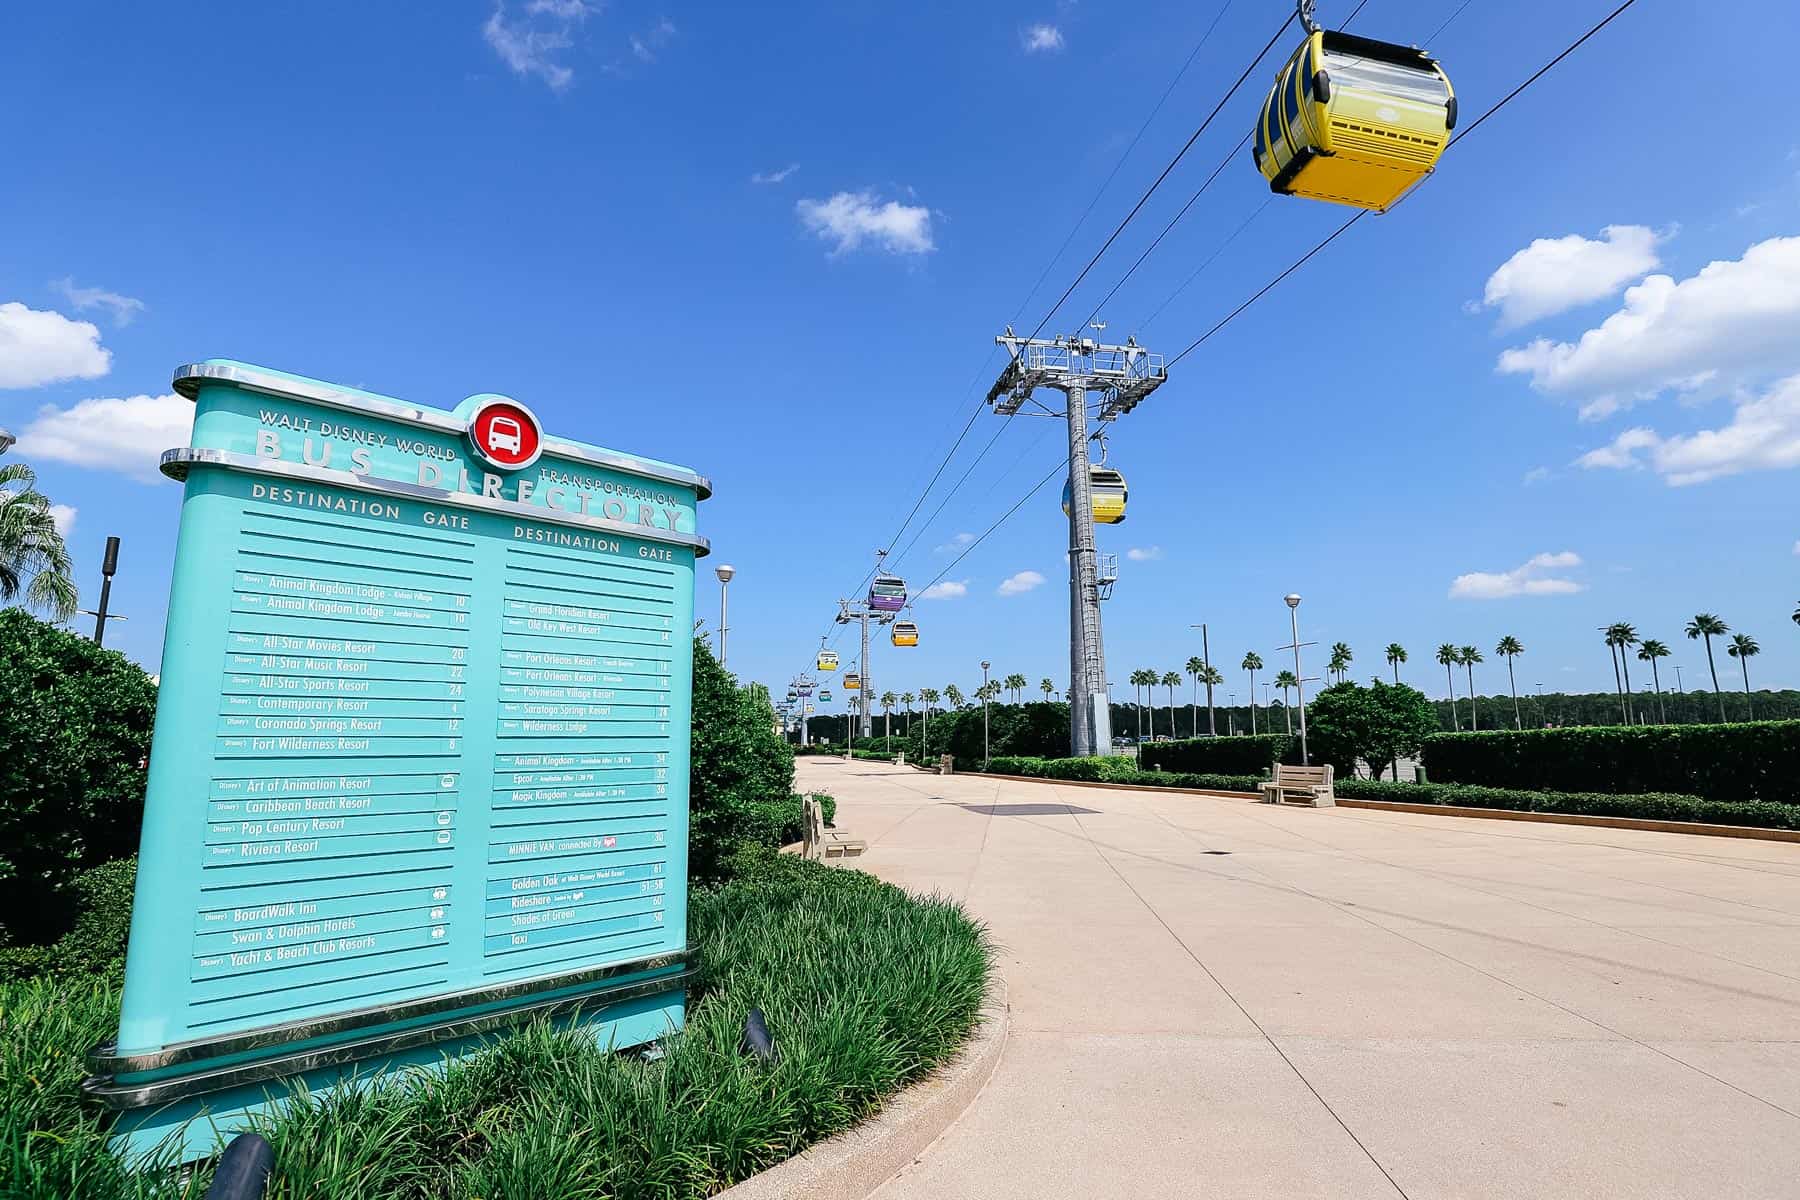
(421, 753)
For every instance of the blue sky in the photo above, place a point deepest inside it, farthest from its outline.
(775, 242)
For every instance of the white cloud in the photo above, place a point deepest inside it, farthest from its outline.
(1553, 275)
(956, 542)
(63, 516)
(1730, 318)
(775, 176)
(1024, 581)
(949, 589)
(531, 47)
(851, 218)
(124, 309)
(1040, 39)
(1762, 435)
(1144, 553)
(1529, 579)
(46, 347)
(1797, 547)
(1536, 475)
(652, 40)
(127, 435)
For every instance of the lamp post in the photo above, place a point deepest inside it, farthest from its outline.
(724, 571)
(109, 565)
(984, 713)
(1293, 603)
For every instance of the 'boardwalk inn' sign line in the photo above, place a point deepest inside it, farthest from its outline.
(421, 754)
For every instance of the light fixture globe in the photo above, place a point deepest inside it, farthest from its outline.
(1293, 599)
(724, 571)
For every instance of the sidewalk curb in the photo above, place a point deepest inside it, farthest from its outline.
(1693, 828)
(852, 1165)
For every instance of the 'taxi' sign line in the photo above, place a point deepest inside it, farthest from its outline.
(421, 756)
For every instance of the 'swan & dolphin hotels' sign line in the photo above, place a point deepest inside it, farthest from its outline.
(421, 754)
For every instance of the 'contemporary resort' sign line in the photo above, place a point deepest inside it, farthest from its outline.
(421, 754)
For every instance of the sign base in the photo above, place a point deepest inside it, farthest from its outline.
(191, 1111)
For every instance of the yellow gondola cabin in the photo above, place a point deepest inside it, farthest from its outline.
(1354, 121)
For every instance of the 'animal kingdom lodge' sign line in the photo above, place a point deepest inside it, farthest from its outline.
(421, 756)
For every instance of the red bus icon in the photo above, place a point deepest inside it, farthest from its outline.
(505, 434)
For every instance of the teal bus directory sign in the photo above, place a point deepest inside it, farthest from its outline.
(420, 765)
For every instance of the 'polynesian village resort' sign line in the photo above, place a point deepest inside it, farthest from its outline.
(420, 769)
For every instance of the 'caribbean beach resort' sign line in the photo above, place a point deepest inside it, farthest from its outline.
(420, 769)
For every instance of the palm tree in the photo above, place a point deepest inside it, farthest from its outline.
(1649, 652)
(1468, 656)
(1196, 666)
(1171, 680)
(928, 697)
(1048, 688)
(954, 695)
(1743, 648)
(1211, 678)
(1707, 626)
(1340, 660)
(1252, 663)
(1624, 635)
(907, 699)
(1285, 681)
(1510, 648)
(888, 700)
(1396, 654)
(1136, 679)
(1450, 656)
(34, 563)
(1016, 683)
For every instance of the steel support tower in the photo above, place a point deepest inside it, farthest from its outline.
(859, 612)
(1121, 376)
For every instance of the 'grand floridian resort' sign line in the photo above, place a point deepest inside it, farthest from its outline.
(421, 756)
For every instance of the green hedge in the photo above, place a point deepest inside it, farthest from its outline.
(1751, 761)
(1220, 755)
(738, 765)
(74, 728)
(1122, 771)
(1648, 806)
(96, 944)
(865, 990)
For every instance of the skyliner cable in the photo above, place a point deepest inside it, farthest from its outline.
(969, 424)
(1300, 262)
(1341, 229)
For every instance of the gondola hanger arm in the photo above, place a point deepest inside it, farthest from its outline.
(1305, 9)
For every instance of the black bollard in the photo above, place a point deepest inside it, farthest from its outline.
(756, 1037)
(243, 1169)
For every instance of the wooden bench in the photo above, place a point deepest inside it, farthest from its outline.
(1309, 786)
(822, 844)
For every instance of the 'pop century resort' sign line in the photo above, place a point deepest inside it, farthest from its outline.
(421, 755)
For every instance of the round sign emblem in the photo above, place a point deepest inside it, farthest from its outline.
(506, 434)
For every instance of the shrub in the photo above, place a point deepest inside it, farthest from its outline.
(888, 986)
(74, 725)
(1253, 755)
(1751, 761)
(738, 762)
(1650, 806)
(1376, 724)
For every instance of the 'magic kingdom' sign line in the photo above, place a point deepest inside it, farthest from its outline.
(420, 768)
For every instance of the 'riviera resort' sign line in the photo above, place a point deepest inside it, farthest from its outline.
(420, 768)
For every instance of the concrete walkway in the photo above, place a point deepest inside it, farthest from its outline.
(1223, 999)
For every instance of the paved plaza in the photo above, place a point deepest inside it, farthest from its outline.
(1212, 997)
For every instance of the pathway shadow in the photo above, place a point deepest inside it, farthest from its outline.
(1028, 810)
